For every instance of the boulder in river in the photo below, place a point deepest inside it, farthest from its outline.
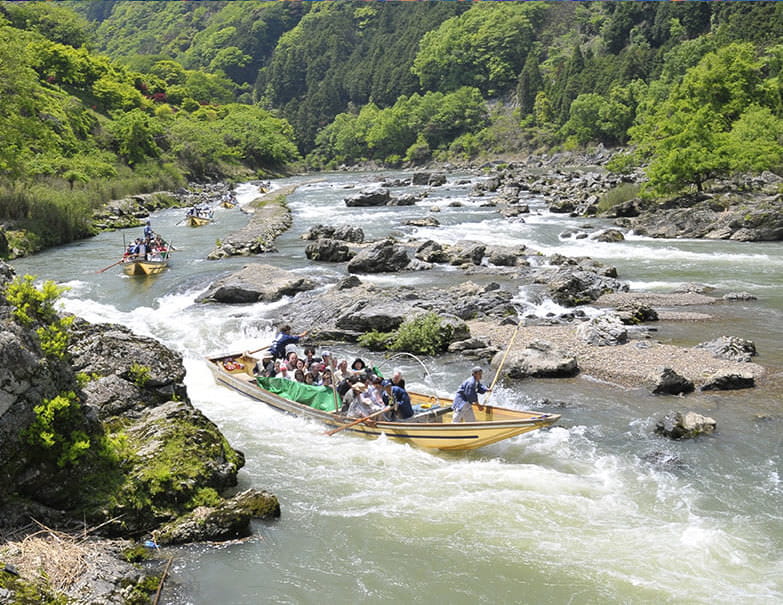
(665, 381)
(385, 256)
(539, 359)
(677, 425)
(255, 283)
(372, 196)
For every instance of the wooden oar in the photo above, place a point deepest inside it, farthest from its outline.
(110, 266)
(502, 361)
(358, 421)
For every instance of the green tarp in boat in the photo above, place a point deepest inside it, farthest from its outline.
(320, 398)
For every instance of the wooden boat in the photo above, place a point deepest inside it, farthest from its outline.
(193, 220)
(430, 427)
(144, 267)
(228, 204)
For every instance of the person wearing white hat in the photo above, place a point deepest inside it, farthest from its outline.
(360, 404)
(467, 395)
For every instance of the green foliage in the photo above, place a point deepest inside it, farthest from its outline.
(412, 128)
(33, 305)
(205, 496)
(424, 334)
(376, 341)
(618, 195)
(25, 592)
(57, 429)
(711, 123)
(483, 48)
(139, 374)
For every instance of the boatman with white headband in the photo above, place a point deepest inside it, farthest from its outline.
(467, 395)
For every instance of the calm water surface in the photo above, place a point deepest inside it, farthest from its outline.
(596, 510)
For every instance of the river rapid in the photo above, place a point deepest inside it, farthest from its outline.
(597, 509)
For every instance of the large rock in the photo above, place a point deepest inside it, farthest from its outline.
(665, 381)
(256, 283)
(726, 380)
(677, 425)
(571, 286)
(603, 330)
(228, 520)
(540, 359)
(372, 196)
(348, 233)
(383, 257)
(731, 348)
(329, 250)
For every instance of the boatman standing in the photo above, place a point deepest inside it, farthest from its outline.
(467, 395)
(283, 338)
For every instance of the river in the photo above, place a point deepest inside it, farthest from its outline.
(597, 509)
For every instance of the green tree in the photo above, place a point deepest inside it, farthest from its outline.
(755, 141)
(135, 135)
(485, 48)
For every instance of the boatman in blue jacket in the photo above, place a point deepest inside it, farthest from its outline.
(467, 395)
(283, 338)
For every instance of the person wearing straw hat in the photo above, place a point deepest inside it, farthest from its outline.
(360, 404)
(467, 395)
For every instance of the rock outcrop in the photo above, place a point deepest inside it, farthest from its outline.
(256, 283)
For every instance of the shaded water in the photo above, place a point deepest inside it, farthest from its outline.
(595, 510)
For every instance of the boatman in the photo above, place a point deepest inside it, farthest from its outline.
(467, 395)
(283, 338)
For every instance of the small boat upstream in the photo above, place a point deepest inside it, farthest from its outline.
(430, 427)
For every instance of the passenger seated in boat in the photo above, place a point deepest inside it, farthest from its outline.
(399, 400)
(358, 366)
(341, 371)
(309, 356)
(326, 378)
(309, 378)
(299, 375)
(360, 405)
(374, 391)
(283, 372)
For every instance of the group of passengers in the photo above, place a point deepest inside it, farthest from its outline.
(149, 247)
(201, 210)
(362, 391)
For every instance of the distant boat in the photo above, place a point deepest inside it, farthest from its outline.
(430, 427)
(193, 220)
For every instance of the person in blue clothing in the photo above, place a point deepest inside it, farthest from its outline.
(149, 235)
(398, 398)
(283, 338)
(467, 395)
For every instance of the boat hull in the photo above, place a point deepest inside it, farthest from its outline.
(431, 430)
(197, 221)
(144, 267)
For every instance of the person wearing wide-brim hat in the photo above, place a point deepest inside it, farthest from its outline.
(360, 405)
(467, 395)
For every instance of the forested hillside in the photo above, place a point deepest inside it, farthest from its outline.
(102, 98)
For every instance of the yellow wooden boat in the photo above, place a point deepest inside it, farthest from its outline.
(193, 220)
(431, 426)
(144, 267)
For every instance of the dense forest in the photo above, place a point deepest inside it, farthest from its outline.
(102, 99)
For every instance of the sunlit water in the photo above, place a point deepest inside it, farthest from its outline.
(595, 510)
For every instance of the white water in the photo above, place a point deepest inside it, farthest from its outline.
(595, 510)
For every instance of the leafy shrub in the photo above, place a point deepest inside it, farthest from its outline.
(422, 334)
(618, 195)
(33, 306)
(56, 429)
(140, 374)
(376, 341)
